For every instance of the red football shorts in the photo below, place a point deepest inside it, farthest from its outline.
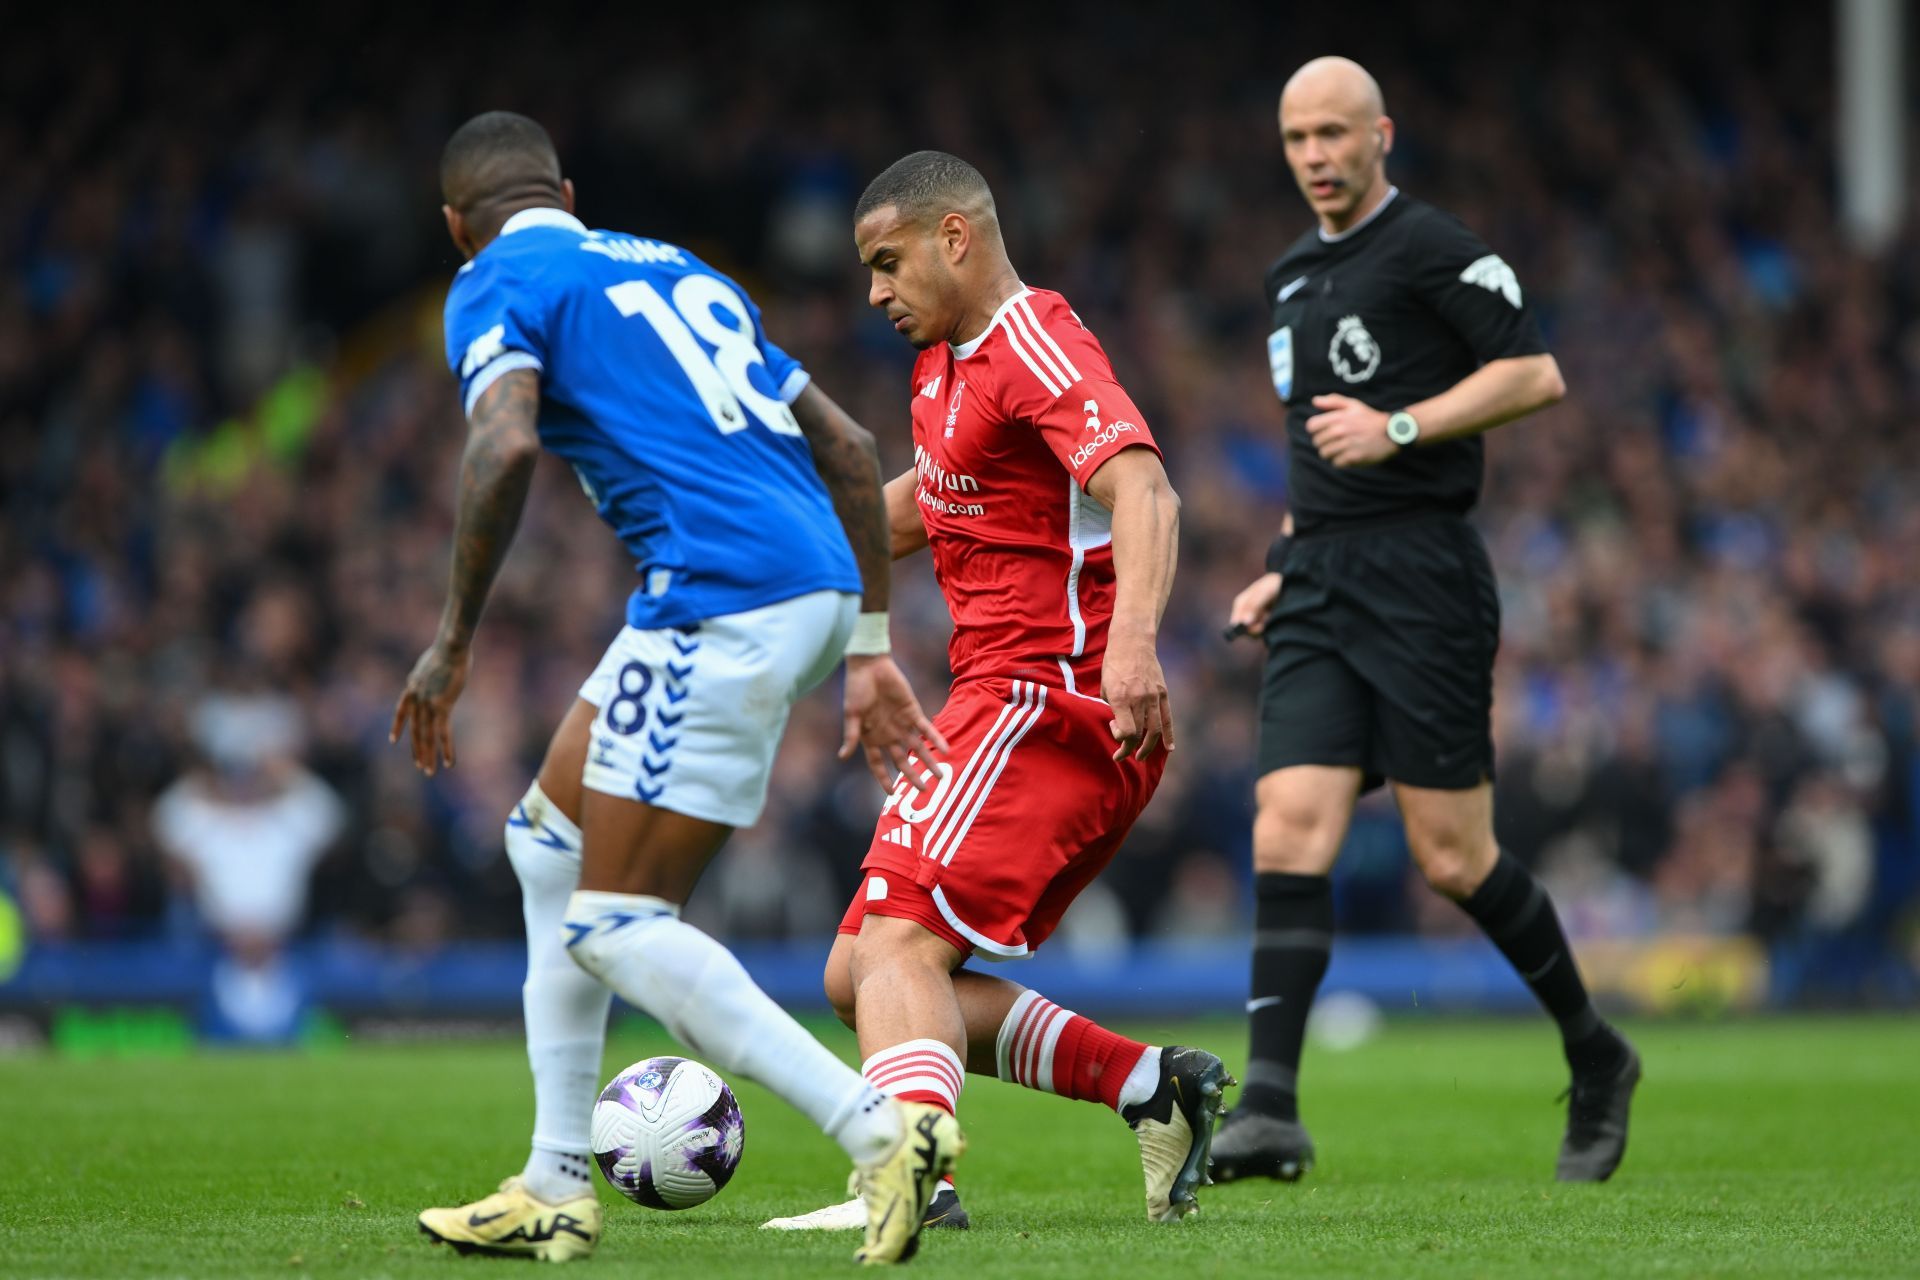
(1030, 806)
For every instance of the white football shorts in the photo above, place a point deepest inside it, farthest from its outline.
(690, 717)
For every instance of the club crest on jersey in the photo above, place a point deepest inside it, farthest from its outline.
(953, 405)
(1354, 355)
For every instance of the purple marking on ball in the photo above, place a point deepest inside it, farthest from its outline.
(719, 1158)
(716, 1157)
(643, 1091)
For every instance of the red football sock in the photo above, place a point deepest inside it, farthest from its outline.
(1055, 1050)
(918, 1071)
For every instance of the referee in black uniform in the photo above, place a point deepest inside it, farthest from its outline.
(1398, 337)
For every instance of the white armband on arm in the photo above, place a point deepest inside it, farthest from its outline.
(495, 369)
(870, 638)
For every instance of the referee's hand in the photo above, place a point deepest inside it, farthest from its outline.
(1349, 434)
(1248, 616)
(1135, 688)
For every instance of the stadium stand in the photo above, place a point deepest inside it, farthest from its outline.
(227, 440)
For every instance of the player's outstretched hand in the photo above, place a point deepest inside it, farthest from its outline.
(1349, 434)
(885, 718)
(426, 706)
(1134, 686)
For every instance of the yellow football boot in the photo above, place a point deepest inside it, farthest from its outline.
(898, 1187)
(514, 1223)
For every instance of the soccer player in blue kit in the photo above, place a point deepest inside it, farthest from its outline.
(752, 506)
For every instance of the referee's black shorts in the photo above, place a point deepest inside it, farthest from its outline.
(1380, 654)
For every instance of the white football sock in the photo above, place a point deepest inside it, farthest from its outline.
(1142, 1082)
(657, 962)
(558, 1176)
(565, 1007)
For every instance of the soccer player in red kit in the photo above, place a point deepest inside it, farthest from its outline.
(1040, 491)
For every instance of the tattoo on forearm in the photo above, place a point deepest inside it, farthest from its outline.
(495, 473)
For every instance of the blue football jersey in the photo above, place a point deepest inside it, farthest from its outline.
(659, 386)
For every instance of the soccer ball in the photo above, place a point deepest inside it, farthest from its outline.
(667, 1133)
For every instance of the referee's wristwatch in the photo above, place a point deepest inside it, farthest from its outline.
(1402, 429)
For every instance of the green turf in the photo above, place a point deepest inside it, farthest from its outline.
(1770, 1148)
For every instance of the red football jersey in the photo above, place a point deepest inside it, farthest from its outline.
(1007, 429)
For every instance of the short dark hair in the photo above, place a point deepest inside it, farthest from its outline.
(927, 184)
(496, 159)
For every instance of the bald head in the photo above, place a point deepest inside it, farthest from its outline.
(1338, 83)
(1337, 134)
(496, 164)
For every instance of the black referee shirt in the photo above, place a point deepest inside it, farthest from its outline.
(1390, 312)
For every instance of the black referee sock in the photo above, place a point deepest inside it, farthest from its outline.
(1517, 914)
(1293, 934)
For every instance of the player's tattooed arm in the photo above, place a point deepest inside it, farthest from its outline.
(503, 444)
(882, 716)
(1146, 542)
(849, 464)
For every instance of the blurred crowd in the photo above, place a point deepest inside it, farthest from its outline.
(228, 440)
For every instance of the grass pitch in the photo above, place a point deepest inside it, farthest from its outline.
(1787, 1147)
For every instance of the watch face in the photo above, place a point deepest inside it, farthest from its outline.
(1402, 429)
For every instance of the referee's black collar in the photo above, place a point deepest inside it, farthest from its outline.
(1359, 226)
